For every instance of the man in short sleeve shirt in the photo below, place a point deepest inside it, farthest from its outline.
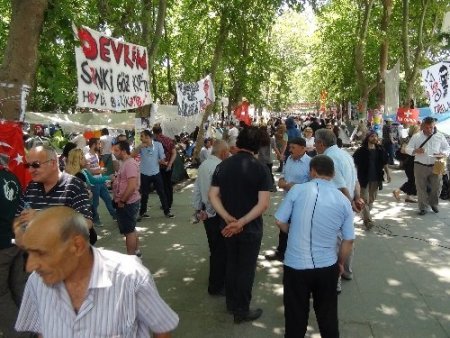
(127, 197)
(50, 187)
(240, 193)
(314, 213)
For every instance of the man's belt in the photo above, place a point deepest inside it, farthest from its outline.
(425, 165)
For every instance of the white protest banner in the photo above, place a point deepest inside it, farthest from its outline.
(392, 89)
(112, 74)
(436, 81)
(193, 98)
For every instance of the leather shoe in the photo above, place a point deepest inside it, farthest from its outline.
(435, 209)
(247, 317)
(220, 293)
(422, 212)
(274, 257)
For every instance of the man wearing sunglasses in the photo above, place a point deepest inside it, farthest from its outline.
(50, 187)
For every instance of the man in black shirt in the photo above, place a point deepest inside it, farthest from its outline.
(370, 160)
(240, 193)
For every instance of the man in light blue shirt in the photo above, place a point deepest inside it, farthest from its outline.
(345, 179)
(205, 212)
(152, 155)
(314, 214)
(295, 171)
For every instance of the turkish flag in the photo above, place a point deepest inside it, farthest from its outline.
(12, 148)
(407, 115)
(241, 113)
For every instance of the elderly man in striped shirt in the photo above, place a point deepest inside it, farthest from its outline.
(77, 290)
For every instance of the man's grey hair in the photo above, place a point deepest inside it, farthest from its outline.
(326, 136)
(218, 146)
(75, 224)
(51, 152)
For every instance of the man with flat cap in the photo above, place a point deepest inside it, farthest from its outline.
(76, 290)
(295, 171)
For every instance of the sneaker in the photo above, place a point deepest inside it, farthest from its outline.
(138, 253)
(140, 217)
(347, 276)
(169, 215)
(368, 225)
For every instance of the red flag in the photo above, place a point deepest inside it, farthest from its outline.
(11, 145)
(407, 115)
(241, 113)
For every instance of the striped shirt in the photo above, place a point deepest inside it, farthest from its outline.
(122, 301)
(70, 191)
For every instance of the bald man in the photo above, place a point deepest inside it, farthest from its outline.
(211, 221)
(76, 290)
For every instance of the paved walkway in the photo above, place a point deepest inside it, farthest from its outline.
(401, 285)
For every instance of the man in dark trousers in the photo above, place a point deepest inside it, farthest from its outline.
(314, 214)
(212, 222)
(295, 171)
(240, 193)
(166, 168)
(370, 160)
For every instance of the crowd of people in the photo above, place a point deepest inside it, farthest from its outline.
(50, 227)
(316, 173)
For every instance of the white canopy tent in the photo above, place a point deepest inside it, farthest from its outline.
(171, 123)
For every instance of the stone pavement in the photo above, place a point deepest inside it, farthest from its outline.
(401, 285)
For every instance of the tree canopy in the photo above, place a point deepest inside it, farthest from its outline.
(275, 53)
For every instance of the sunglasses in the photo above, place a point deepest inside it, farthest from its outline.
(35, 164)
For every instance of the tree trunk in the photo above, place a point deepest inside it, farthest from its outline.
(217, 56)
(170, 87)
(21, 53)
(411, 71)
(146, 18)
(360, 53)
(154, 86)
(103, 10)
(384, 50)
(153, 50)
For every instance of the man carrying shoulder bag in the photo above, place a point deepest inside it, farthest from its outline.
(430, 149)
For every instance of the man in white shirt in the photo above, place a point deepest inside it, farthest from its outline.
(427, 146)
(206, 150)
(211, 221)
(233, 133)
(77, 290)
